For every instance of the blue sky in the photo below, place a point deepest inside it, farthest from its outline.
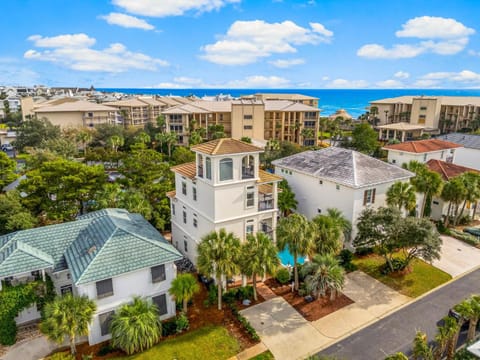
(241, 43)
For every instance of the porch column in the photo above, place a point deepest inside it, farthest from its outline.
(403, 136)
(1, 284)
(43, 275)
(394, 134)
(380, 134)
(275, 195)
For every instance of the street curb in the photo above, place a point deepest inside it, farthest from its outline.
(389, 312)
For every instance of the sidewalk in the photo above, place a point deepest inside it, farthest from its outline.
(289, 336)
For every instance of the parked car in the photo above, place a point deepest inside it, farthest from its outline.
(472, 231)
(205, 280)
(7, 147)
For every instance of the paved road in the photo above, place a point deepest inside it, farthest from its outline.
(395, 332)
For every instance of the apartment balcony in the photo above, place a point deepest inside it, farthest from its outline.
(248, 172)
(264, 205)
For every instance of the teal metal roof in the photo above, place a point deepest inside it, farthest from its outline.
(96, 246)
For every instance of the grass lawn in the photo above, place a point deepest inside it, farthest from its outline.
(267, 355)
(423, 278)
(210, 342)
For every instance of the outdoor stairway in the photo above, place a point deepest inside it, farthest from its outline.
(265, 291)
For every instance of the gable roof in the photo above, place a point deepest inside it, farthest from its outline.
(96, 246)
(344, 166)
(466, 140)
(448, 170)
(422, 146)
(225, 146)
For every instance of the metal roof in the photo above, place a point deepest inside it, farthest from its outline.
(343, 166)
(466, 140)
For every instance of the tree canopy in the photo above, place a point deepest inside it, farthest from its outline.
(34, 132)
(364, 139)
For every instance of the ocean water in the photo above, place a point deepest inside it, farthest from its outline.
(352, 100)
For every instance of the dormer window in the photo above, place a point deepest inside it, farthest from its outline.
(226, 169)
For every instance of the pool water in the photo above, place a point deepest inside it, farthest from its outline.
(286, 258)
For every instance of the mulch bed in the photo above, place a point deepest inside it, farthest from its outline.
(313, 310)
(199, 316)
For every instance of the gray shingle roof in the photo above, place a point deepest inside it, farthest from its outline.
(344, 166)
(96, 246)
(467, 140)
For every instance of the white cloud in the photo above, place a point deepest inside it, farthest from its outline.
(401, 75)
(375, 51)
(163, 8)
(254, 81)
(259, 82)
(347, 84)
(247, 41)
(390, 84)
(423, 83)
(66, 41)
(127, 21)
(432, 27)
(78, 55)
(443, 37)
(465, 76)
(286, 63)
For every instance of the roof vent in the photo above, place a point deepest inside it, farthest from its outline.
(92, 249)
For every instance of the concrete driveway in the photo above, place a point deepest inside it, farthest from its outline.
(457, 257)
(289, 336)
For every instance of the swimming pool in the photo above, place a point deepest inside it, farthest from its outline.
(286, 258)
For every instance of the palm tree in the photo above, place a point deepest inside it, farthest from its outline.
(340, 222)
(324, 274)
(170, 140)
(143, 138)
(474, 316)
(454, 192)
(183, 287)
(115, 142)
(464, 309)
(218, 254)
(194, 138)
(68, 316)
(401, 195)
(307, 134)
(259, 256)
(85, 137)
(421, 349)
(286, 198)
(296, 233)
(136, 326)
(327, 235)
(444, 336)
(425, 181)
(471, 181)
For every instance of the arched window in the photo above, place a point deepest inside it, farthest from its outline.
(248, 167)
(208, 168)
(226, 169)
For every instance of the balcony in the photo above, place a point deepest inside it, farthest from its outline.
(264, 205)
(248, 172)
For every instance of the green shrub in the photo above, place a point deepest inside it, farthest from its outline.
(397, 265)
(105, 349)
(282, 275)
(465, 237)
(230, 296)
(363, 251)
(212, 294)
(345, 258)
(181, 323)
(169, 327)
(61, 356)
(245, 292)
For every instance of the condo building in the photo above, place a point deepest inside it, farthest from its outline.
(283, 120)
(409, 116)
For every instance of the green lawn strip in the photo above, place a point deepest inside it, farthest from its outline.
(267, 355)
(210, 342)
(423, 278)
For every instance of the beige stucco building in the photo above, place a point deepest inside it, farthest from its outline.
(433, 113)
(298, 98)
(77, 114)
(256, 119)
